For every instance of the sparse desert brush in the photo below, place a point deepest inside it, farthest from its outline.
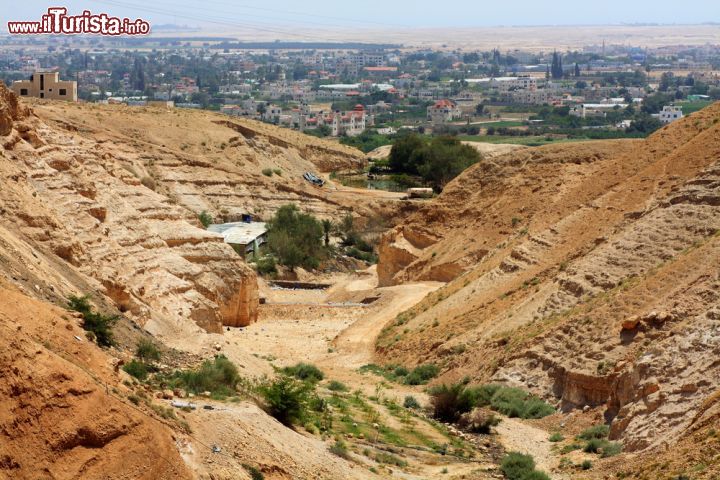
(137, 369)
(337, 386)
(148, 182)
(147, 351)
(518, 466)
(98, 324)
(304, 371)
(219, 376)
(286, 399)
(267, 172)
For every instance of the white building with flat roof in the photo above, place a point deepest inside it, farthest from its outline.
(670, 113)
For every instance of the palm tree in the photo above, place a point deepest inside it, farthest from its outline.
(327, 227)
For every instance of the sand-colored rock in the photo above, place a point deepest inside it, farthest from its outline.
(558, 247)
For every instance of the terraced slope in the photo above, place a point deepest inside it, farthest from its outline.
(588, 273)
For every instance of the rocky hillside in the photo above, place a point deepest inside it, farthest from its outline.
(64, 414)
(587, 273)
(105, 201)
(210, 162)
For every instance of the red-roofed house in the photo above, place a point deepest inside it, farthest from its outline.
(443, 111)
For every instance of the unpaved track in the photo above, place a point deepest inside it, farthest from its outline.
(516, 436)
(355, 344)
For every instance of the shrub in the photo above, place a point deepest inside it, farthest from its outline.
(597, 431)
(304, 371)
(401, 371)
(411, 402)
(390, 459)
(148, 182)
(218, 376)
(340, 449)
(97, 323)
(450, 401)
(267, 172)
(147, 351)
(336, 386)
(295, 238)
(286, 399)
(479, 421)
(277, 171)
(610, 449)
(137, 369)
(205, 218)
(266, 265)
(255, 474)
(586, 465)
(421, 374)
(517, 466)
(515, 402)
(556, 437)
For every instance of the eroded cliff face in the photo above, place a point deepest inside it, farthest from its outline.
(64, 411)
(587, 273)
(69, 196)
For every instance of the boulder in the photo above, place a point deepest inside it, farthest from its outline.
(631, 323)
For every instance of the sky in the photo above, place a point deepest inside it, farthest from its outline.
(270, 14)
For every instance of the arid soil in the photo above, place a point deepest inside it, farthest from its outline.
(587, 273)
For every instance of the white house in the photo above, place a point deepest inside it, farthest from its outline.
(670, 113)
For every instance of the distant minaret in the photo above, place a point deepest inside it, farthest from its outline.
(603, 51)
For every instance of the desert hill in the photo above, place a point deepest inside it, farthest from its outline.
(587, 273)
(210, 162)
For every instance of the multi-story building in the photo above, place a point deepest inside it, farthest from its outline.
(443, 111)
(46, 85)
(670, 113)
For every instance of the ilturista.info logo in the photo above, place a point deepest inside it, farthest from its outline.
(58, 22)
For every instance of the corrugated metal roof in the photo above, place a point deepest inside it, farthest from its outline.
(239, 233)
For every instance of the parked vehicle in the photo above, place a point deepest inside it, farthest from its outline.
(314, 179)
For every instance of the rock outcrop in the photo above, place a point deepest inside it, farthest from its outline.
(74, 198)
(586, 273)
(58, 420)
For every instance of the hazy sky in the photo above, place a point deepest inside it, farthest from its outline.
(269, 14)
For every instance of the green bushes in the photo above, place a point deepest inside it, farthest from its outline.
(295, 238)
(515, 402)
(517, 466)
(147, 351)
(267, 172)
(266, 266)
(286, 399)
(421, 374)
(340, 449)
(100, 325)
(411, 402)
(596, 441)
(205, 219)
(336, 386)
(597, 431)
(304, 371)
(437, 161)
(255, 474)
(137, 369)
(449, 402)
(219, 376)
(556, 437)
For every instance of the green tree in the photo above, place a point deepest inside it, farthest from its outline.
(295, 238)
(327, 228)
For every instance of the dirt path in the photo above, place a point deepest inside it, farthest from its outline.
(355, 344)
(516, 436)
